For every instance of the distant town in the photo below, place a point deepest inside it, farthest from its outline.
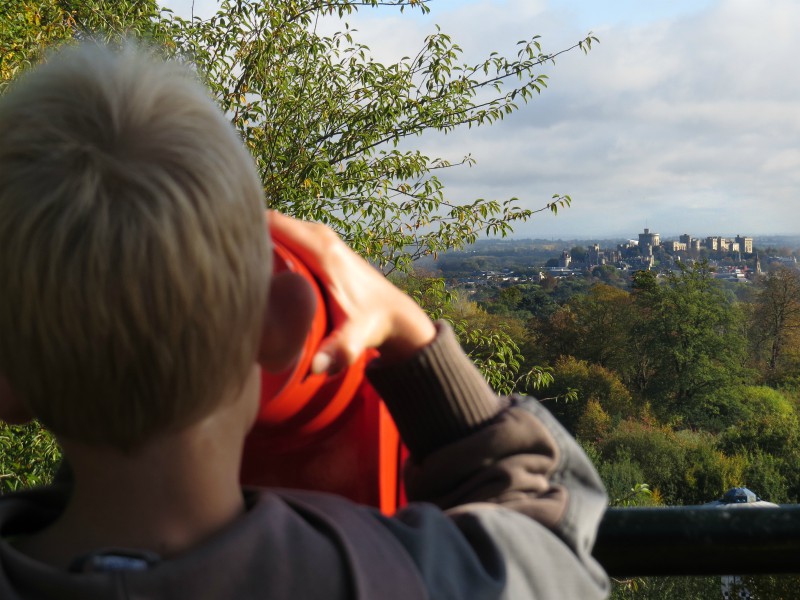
(735, 259)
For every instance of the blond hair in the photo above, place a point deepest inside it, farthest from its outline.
(134, 262)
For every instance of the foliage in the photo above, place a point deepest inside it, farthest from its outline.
(330, 126)
(690, 332)
(622, 479)
(728, 432)
(775, 325)
(768, 422)
(709, 472)
(639, 495)
(29, 456)
(763, 587)
(25, 30)
(492, 349)
(667, 588)
(492, 343)
(30, 27)
(594, 423)
(766, 435)
(595, 327)
(331, 129)
(772, 587)
(559, 333)
(685, 467)
(766, 473)
(536, 301)
(591, 383)
(609, 275)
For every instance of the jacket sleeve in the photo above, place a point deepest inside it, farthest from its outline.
(515, 485)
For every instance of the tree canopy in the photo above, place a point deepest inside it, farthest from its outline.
(690, 327)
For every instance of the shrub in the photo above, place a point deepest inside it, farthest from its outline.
(29, 456)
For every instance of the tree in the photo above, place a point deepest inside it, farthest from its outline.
(691, 334)
(776, 315)
(558, 333)
(594, 423)
(767, 421)
(603, 318)
(330, 127)
(609, 274)
(591, 383)
(551, 262)
(507, 301)
(578, 254)
(536, 301)
(684, 467)
(28, 456)
(492, 342)
(30, 27)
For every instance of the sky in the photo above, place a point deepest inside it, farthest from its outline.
(685, 118)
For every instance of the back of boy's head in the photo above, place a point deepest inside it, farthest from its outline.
(134, 262)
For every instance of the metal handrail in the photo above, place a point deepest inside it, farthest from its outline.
(699, 540)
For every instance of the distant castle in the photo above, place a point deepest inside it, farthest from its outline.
(643, 253)
(648, 241)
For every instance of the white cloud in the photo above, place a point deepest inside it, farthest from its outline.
(685, 116)
(689, 123)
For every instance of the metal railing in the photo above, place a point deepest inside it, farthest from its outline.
(699, 540)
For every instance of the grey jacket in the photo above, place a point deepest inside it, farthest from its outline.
(504, 505)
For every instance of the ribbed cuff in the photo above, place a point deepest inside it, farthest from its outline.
(436, 397)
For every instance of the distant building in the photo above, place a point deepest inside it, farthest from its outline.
(565, 260)
(732, 274)
(648, 241)
(595, 256)
(562, 272)
(686, 239)
(721, 244)
(745, 244)
(640, 263)
(674, 246)
(784, 260)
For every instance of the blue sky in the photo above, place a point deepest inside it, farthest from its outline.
(685, 118)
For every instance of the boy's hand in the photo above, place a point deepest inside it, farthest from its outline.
(366, 309)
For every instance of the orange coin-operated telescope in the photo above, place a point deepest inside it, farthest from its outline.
(323, 432)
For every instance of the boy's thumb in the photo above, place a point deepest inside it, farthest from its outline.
(322, 362)
(337, 352)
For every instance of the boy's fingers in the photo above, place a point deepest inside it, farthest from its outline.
(308, 241)
(338, 351)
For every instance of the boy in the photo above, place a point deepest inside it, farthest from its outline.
(136, 307)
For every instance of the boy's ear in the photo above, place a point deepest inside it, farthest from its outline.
(12, 410)
(290, 309)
